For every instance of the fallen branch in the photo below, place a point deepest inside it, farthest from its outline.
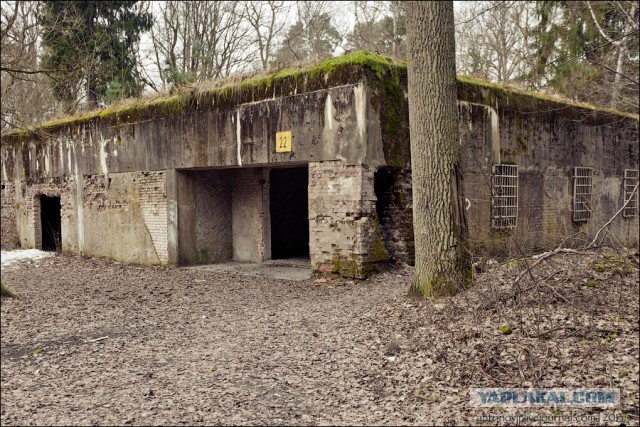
(544, 256)
(96, 339)
(593, 242)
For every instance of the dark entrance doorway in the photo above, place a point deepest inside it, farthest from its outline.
(50, 223)
(289, 206)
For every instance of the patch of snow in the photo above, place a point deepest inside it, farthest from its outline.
(8, 257)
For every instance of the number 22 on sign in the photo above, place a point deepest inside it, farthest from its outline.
(283, 142)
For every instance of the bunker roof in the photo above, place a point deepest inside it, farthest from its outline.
(347, 69)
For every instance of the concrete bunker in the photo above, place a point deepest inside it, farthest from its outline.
(50, 223)
(200, 177)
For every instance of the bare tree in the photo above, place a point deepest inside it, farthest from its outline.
(266, 19)
(25, 94)
(628, 10)
(379, 26)
(493, 40)
(318, 32)
(200, 40)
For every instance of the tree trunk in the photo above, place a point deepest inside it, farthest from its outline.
(442, 262)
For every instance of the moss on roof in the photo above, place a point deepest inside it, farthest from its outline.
(344, 69)
(533, 99)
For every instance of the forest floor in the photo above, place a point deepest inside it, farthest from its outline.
(91, 341)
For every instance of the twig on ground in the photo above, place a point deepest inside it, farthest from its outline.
(96, 339)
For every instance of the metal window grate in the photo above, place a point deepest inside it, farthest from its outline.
(504, 200)
(630, 193)
(582, 186)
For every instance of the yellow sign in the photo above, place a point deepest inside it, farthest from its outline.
(283, 142)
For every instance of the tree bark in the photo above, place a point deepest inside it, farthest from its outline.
(442, 262)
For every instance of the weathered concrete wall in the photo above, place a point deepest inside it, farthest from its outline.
(27, 208)
(214, 239)
(344, 229)
(250, 212)
(546, 148)
(125, 217)
(120, 216)
(329, 124)
(8, 227)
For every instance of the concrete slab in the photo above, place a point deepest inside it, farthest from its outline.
(297, 269)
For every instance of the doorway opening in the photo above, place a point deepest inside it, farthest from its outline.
(50, 222)
(289, 207)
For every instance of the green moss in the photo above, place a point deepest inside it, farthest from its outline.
(394, 118)
(513, 98)
(387, 75)
(446, 283)
(346, 268)
(350, 268)
(612, 257)
(379, 251)
(203, 257)
(505, 329)
(6, 292)
(611, 263)
(522, 143)
(343, 69)
(601, 267)
(593, 284)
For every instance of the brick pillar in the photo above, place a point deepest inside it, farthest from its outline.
(344, 232)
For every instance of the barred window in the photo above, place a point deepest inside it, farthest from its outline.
(630, 193)
(504, 200)
(582, 186)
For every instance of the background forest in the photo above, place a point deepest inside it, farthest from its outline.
(59, 57)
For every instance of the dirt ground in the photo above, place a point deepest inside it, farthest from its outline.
(92, 341)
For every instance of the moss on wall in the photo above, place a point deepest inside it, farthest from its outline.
(387, 76)
(345, 69)
(503, 97)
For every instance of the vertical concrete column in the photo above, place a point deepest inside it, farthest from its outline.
(186, 219)
(344, 232)
(37, 222)
(250, 215)
(172, 216)
(266, 215)
(79, 181)
(9, 223)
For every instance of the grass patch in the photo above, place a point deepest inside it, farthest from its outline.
(6, 292)
(505, 329)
